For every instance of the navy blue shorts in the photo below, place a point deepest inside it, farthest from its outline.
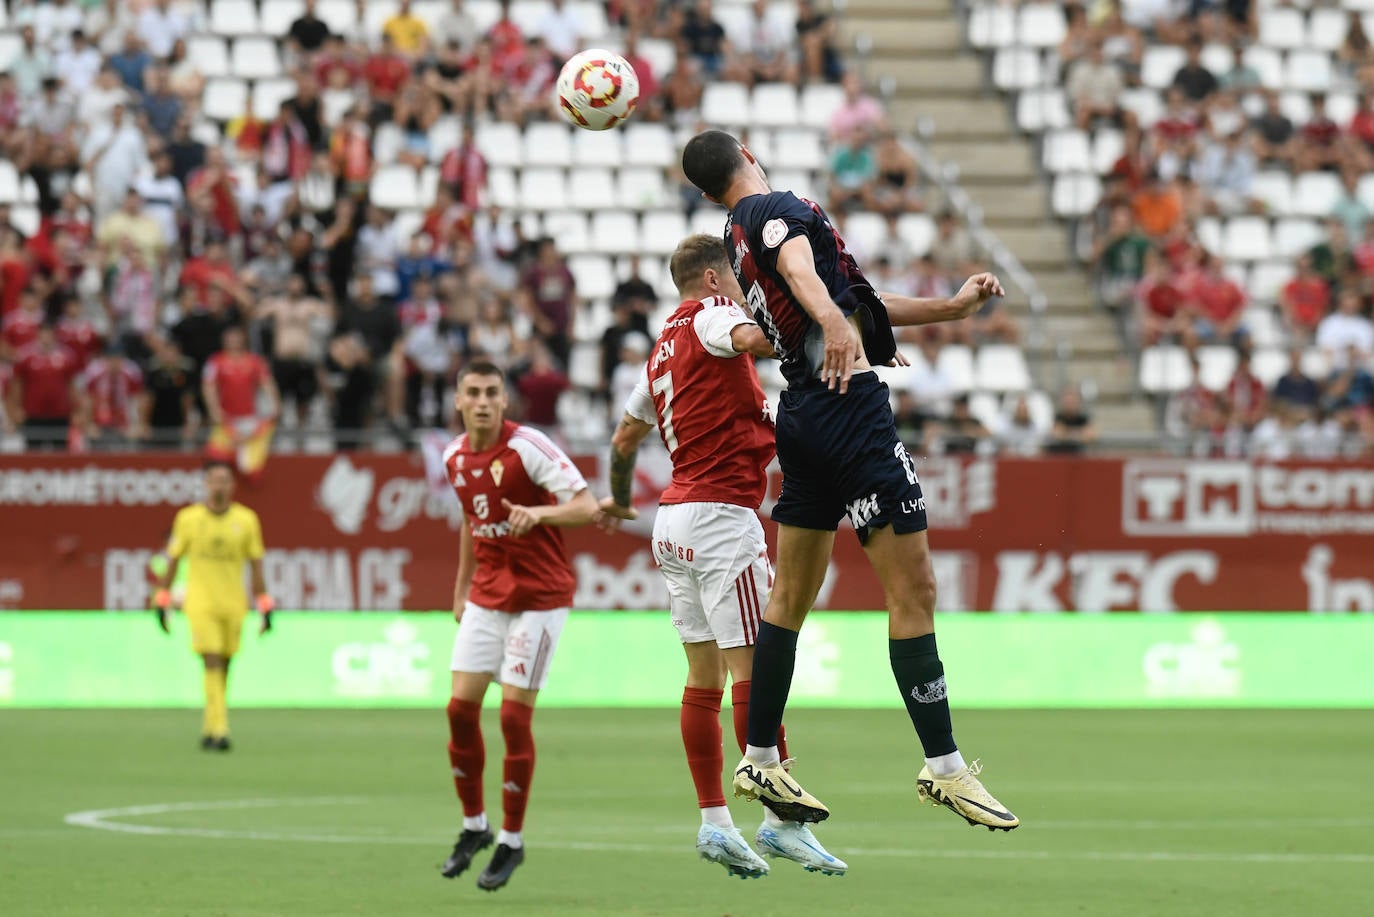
(840, 456)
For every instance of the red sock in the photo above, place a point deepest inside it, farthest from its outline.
(466, 753)
(739, 700)
(519, 769)
(700, 723)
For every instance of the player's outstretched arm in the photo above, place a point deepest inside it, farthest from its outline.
(580, 510)
(797, 266)
(910, 310)
(749, 338)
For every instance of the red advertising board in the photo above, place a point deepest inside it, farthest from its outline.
(376, 532)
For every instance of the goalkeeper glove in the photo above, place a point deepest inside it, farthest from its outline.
(162, 601)
(265, 605)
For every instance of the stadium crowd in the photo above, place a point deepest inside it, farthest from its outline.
(188, 275)
(1204, 159)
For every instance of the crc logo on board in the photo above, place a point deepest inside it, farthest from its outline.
(1165, 497)
(6, 673)
(1179, 497)
(396, 666)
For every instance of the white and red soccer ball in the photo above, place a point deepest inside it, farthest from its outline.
(597, 89)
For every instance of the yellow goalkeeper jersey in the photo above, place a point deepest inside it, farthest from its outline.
(217, 545)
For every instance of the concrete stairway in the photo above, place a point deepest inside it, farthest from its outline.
(919, 46)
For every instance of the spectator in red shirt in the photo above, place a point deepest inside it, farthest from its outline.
(464, 170)
(1246, 393)
(550, 293)
(540, 388)
(15, 269)
(110, 398)
(1304, 300)
(78, 333)
(337, 67)
(41, 397)
(650, 107)
(19, 328)
(386, 72)
(1363, 252)
(1320, 144)
(1158, 303)
(233, 377)
(1362, 129)
(507, 42)
(1217, 303)
(214, 182)
(213, 269)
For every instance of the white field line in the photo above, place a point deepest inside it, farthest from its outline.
(104, 820)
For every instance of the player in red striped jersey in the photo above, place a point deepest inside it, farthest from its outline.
(511, 597)
(711, 413)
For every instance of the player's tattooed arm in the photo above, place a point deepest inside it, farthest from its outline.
(911, 310)
(629, 434)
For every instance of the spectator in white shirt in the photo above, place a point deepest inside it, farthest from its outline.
(162, 196)
(931, 385)
(30, 66)
(160, 26)
(1346, 331)
(1019, 434)
(109, 23)
(560, 29)
(379, 245)
(99, 101)
(762, 45)
(456, 26)
(54, 22)
(114, 153)
(1226, 171)
(79, 65)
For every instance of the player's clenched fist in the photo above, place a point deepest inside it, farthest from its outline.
(521, 518)
(978, 289)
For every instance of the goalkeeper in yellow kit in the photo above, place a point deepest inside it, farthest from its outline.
(216, 538)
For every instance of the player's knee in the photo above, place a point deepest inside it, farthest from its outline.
(915, 602)
(706, 673)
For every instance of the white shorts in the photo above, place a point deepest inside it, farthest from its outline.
(516, 648)
(716, 563)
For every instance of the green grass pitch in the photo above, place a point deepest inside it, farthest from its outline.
(351, 812)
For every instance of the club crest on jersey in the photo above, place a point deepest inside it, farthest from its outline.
(497, 469)
(774, 231)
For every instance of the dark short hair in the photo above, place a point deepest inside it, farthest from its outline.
(695, 254)
(711, 160)
(211, 464)
(481, 367)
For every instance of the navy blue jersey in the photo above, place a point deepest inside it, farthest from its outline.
(754, 232)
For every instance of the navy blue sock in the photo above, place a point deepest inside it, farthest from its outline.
(921, 677)
(775, 655)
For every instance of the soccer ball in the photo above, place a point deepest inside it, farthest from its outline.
(597, 89)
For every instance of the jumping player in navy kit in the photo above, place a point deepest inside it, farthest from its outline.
(840, 455)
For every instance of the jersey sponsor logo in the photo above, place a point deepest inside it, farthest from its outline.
(931, 692)
(774, 231)
(862, 510)
(498, 468)
(491, 530)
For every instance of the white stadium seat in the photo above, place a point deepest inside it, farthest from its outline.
(1017, 68)
(591, 20)
(1268, 279)
(591, 188)
(918, 230)
(1159, 64)
(641, 189)
(613, 232)
(548, 143)
(584, 366)
(1268, 364)
(984, 407)
(224, 99)
(26, 219)
(1315, 194)
(210, 54)
(725, 104)
(387, 141)
(1326, 29)
(10, 46)
(1246, 239)
(798, 149)
(774, 105)
(661, 231)
(1263, 328)
(1066, 151)
(649, 145)
(569, 231)
(1282, 27)
(594, 277)
(1275, 190)
(1145, 104)
(597, 148)
(1267, 62)
(335, 103)
(268, 96)
(1075, 195)
(1316, 363)
(1294, 236)
(234, 17)
(1164, 370)
(255, 58)
(502, 189)
(1042, 109)
(9, 182)
(1216, 366)
(1217, 58)
(1308, 71)
(543, 189)
(992, 26)
(819, 102)
(1001, 368)
(1209, 234)
(277, 15)
(499, 143)
(660, 54)
(395, 188)
(864, 231)
(708, 219)
(1040, 25)
(378, 12)
(798, 181)
(444, 135)
(956, 362)
(1108, 146)
(340, 15)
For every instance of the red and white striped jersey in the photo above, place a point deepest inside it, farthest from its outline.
(709, 407)
(530, 573)
(111, 386)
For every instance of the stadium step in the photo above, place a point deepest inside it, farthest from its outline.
(1018, 203)
(1038, 246)
(1113, 376)
(905, 35)
(894, 8)
(1010, 160)
(929, 73)
(1132, 416)
(957, 118)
